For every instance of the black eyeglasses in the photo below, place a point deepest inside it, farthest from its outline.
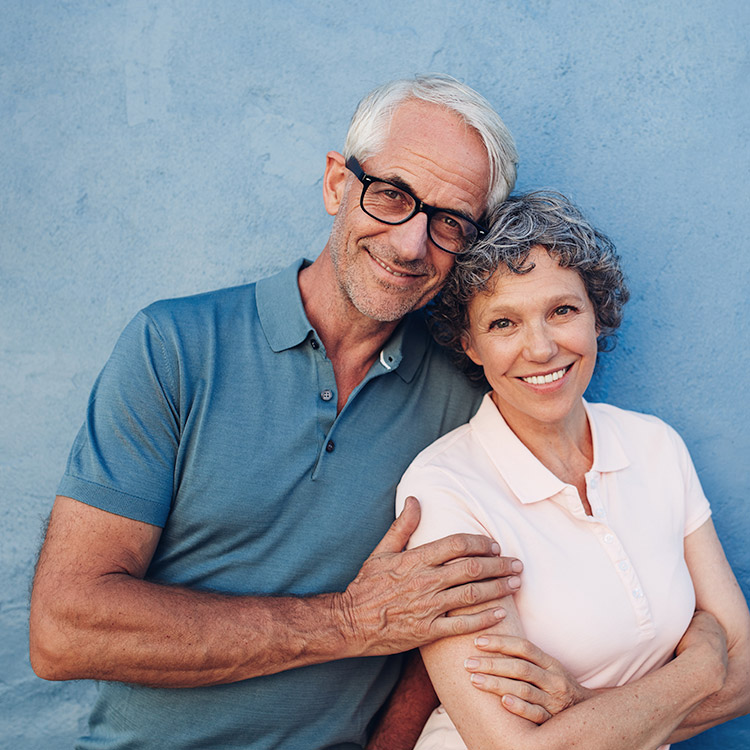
(395, 204)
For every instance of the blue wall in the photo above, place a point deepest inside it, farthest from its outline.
(152, 149)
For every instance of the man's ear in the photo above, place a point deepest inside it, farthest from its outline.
(334, 181)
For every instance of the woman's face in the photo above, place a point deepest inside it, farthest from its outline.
(535, 336)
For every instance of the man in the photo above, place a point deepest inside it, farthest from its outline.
(207, 555)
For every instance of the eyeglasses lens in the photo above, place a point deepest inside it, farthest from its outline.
(387, 203)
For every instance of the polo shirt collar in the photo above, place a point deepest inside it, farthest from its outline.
(285, 324)
(280, 308)
(528, 478)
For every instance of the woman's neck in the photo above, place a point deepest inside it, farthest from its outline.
(565, 447)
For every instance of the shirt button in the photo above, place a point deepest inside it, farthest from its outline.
(623, 565)
(326, 395)
(330, 446)
(598, 512)
(608, 538)
(314, 343)
(637, 593)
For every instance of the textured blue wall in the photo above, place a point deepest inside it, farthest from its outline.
(152, 149)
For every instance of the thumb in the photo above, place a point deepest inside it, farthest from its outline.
(401, 529)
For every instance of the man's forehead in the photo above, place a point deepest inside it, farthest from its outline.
(431, 147)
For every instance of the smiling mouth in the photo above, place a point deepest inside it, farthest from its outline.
(383, 264)
(550, 377)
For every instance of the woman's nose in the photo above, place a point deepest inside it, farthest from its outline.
(540, 345)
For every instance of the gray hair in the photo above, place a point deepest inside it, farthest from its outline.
(369, 127)
(523, 222)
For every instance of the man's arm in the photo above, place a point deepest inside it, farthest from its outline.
(406, 711)
(94, 616)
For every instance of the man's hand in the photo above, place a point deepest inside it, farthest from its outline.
(531, 683)
(399, 599)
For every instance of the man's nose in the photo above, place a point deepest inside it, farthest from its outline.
(411, 239)
(540, 344)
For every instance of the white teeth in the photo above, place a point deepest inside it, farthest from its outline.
(388, 268)
(549, 378)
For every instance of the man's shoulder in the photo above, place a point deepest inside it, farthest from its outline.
(228, 305)
(214, 303)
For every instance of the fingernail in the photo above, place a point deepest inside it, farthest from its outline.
(516, 566)
(471, 663)
(496, 550)
(483, 640)
(514, 582)
(508, 700)
(478, 679)
(499, 614)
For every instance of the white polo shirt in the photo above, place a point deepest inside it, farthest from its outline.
(608, 595)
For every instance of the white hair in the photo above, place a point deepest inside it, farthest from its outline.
(370, 124)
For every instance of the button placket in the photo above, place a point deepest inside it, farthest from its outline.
(628, 577)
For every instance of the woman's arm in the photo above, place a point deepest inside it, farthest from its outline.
(515, 667)
(639, 716)
(717, 592)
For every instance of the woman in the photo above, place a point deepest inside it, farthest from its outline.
(603, 506)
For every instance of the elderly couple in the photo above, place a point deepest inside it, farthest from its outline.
(220, 556)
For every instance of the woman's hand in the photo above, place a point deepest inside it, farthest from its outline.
(530, 683)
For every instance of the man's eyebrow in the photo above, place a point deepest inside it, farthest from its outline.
(398, 182)
(404, 185)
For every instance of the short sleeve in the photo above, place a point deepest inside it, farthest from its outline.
(697, 507)
(123, 457)
(443, 502)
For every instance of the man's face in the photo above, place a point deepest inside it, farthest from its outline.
(386, 271)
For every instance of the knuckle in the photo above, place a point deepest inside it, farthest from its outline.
(523, 670)
(470, 594)
(456, 625)
(459, 545)
(473, 568)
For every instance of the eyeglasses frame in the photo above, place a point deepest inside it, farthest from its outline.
(353, 165)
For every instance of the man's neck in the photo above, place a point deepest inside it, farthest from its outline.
(352, 341)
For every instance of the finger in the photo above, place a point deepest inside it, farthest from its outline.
(472, 569)
(475, 593)
(521, 691)
(444, 627)
(522, 672)
(512, 645)
(456, 546)
(525, 710)
(401, 529)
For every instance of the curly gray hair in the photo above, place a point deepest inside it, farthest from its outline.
(523, 222)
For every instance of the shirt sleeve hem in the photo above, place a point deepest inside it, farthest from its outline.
(113, 501)
(697, 522)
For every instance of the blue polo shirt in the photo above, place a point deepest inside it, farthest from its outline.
(215, 418)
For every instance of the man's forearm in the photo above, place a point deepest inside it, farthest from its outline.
(94, 615)
(125, 629)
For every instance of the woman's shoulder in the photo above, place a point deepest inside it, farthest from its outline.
(634, 428)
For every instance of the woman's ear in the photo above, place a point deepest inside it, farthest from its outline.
(334, 181)
(469, 349)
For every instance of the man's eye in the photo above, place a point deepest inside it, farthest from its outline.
(391, 194)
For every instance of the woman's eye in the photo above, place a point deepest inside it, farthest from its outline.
(564, 310)
(500, 323)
